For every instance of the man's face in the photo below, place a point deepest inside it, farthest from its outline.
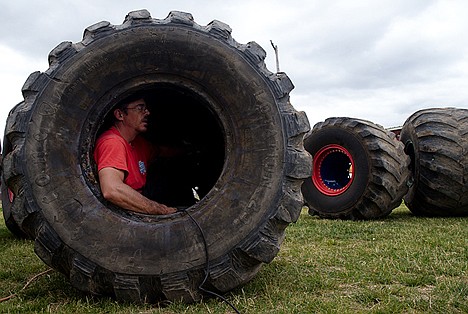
(136, 115)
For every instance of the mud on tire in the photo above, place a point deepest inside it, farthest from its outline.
(436, 139)
(359, 170)
(211, 89)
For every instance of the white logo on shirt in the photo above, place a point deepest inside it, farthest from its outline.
(142, 167)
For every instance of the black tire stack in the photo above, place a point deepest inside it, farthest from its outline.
(427, 167)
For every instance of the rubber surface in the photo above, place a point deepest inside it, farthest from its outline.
(436, 139)
(248, 204)
(12, 205)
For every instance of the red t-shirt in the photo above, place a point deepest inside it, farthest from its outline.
(112, 150)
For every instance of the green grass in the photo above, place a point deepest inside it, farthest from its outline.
(400, 264)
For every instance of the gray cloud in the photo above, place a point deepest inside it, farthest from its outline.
(376, 60)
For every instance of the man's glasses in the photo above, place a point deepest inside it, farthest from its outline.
(140, 108)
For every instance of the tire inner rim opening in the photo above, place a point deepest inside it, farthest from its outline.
(180, 118)
(333, 170)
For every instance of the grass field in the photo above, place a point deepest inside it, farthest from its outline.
(401, 264)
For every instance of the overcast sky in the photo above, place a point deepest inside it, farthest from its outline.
(375, 60)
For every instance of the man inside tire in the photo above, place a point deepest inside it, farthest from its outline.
(122, 157)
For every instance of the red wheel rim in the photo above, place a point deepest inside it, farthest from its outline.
(11, 196)
(333, 170)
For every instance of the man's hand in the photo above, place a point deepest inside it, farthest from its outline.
(161, 209)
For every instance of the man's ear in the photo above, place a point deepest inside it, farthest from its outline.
(118, 114)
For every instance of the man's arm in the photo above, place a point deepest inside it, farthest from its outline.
(116, 191)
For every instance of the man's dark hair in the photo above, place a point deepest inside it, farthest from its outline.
(122, 105)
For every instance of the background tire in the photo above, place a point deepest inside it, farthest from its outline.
(216, 94)
(437, 142)
(12, 207)
(359, 170)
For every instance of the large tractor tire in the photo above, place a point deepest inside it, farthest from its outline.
(359, 170)
(436, 140)
(204, 88)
